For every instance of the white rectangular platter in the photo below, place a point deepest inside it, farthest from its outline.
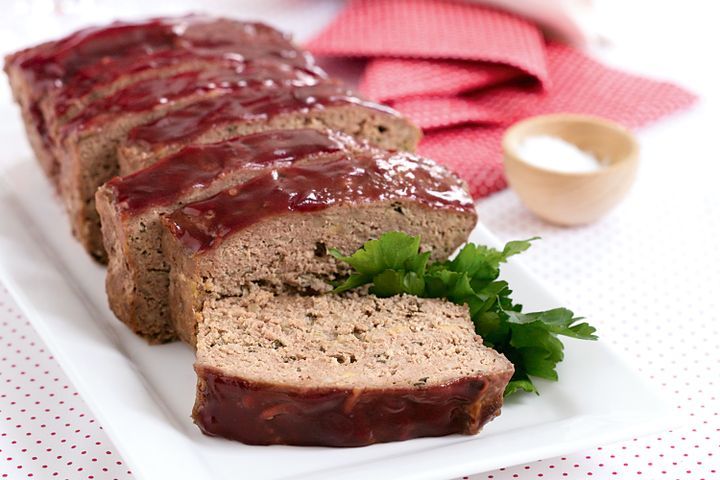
(143, 395)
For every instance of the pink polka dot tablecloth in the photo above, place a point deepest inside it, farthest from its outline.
(46, 430)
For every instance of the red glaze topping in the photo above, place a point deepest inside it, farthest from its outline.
(261, 414)
(242, 105)
(309, 188)
(103, 73)
(151, 93)
(100, 54)
(195, 167)
(60, 60)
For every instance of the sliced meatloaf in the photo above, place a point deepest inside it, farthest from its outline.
(274, 229)
(87, 144)
(56, 79)
(324, 105)
(342, 371)
(130, 208)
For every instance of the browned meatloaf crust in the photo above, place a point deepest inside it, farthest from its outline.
(343, 371)
(130, 208)
(325, 105)
(274, 229)
(53, 81)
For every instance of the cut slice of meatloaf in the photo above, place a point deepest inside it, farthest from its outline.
(342, 371)
(87, 145)
(130, 208)
(60, 77)
(324, 105)
(274, 229)
(204, 42)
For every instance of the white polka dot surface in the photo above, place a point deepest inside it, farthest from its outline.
(46, 429)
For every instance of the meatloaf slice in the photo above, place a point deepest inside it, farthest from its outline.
(58, 78)
(342, 371)
(87, 144)
(130, 208)
(274, 229)
(323, 105)
(204, 41)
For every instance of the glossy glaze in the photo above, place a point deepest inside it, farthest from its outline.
(263, 414)
(148, 94)
(195, 167)
(356, 179)
(244, 105)
(103, 74)
(99, 55)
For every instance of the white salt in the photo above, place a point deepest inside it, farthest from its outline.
(553, 153)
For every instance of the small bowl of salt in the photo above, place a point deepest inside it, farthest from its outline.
(570, 169)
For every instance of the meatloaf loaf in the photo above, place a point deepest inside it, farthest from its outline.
(81, 95)
(56, 79)
(130, 208)
(324, 105)
(342, 371)
(274, 229)
(87, 144)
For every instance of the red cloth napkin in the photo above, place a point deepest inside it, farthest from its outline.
(438, 112)
(464, 72)
(433, 29)
(392, 78)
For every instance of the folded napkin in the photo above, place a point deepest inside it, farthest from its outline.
(433, 29)
(464, 72)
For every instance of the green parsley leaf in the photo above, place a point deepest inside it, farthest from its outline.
(394, 250)
(353, 281)
(523, 384)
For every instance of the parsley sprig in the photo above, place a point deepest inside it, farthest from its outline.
(394, 264)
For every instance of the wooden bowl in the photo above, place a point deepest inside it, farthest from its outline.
(572, 198)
